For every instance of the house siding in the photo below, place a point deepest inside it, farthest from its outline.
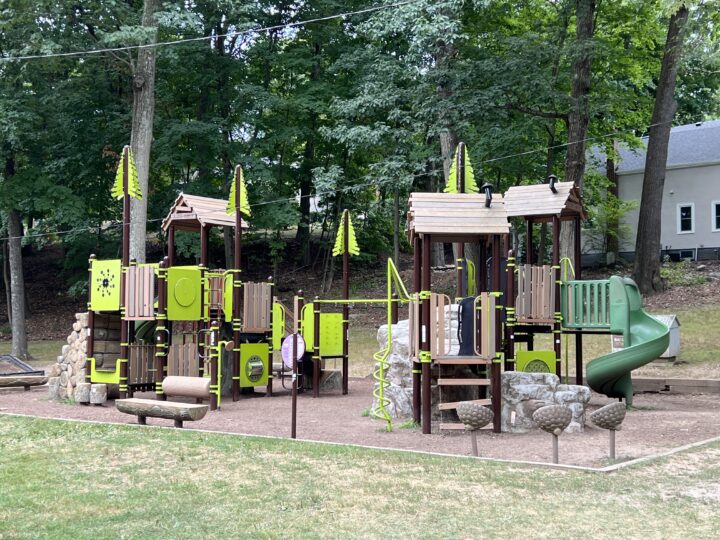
(698, 186)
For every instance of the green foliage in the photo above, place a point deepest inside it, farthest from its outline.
(680, 274)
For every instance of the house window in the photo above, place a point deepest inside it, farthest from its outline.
(715, 215)
(686, 218)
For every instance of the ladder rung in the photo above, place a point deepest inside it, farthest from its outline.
(454, 404)
(463, 382)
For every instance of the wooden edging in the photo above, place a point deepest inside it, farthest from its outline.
(532, 464)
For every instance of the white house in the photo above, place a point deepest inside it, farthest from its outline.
(691, 197)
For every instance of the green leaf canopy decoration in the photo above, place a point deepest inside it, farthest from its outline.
(133, 182)
(461, 162)
(353, 248)
(244, 204)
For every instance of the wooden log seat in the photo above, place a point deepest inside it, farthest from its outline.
(7, 381)
(179, 412)
(194, 387)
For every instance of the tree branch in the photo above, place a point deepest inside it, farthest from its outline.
(554, 115)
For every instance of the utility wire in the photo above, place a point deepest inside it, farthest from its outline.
(210, 37)
(359, 186)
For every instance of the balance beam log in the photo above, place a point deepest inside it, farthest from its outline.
(171, 410)
(27, 381)
(194, 387)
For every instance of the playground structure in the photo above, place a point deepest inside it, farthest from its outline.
(496, 314)
(193, 331)
(203, 333)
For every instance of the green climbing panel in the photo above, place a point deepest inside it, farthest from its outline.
(535, 361)
(228, 296)
(278, 325)
(105, 286)
(254, 364)
(184, 300)
(104, 377)
(331, 331)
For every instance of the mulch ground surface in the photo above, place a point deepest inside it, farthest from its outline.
(658, 423)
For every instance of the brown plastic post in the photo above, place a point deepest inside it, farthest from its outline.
(202, 324)
(90, 343)
(316, 347)
(556, 307)
(346, 296)
(269, 388)
(394, 309)
(425, 333)
(416, 367)
(495, 367)
(236, 314)
(214, 365)
(161, 344)
(171, 246)
(528, 241)
(460, 172)
(293, 422)
(124, 325)
(578, 275)
(510, 313)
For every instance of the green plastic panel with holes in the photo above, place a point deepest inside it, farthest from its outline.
(331, 331)
(535, 361)
(105, 286)
(184, 302)
(254, 364)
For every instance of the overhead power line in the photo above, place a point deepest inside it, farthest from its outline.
(210, 37)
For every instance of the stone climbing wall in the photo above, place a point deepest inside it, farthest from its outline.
(72, 363)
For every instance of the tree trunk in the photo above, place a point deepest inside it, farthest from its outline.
(612, 239)
(396, 228)
(578, 116)
(6, 279)
(143, 86)
(17, 285)
(647, 244)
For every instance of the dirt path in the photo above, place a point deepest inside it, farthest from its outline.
(659, 422)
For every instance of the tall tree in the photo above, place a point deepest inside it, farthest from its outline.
(141, 137)
(647, 243)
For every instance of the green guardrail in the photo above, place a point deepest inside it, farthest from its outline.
(585, 303)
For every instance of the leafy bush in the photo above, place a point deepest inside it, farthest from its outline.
(680, 274)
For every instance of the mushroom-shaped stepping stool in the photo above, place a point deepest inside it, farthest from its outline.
(553, 419)
(610, 417)
(474, 416)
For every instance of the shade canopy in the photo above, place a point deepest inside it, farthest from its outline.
(539, 201)
(191, 212)
(456, 216)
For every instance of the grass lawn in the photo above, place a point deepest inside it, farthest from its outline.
(72, 480)
(42, 352)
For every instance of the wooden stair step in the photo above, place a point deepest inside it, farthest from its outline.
(463, 382)
(461, 360)
(453, 405)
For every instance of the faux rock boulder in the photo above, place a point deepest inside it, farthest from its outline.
(525, 393)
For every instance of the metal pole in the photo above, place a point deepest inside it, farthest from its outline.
(556, 307)
(528, 241)
(202, 324)
(171, 245)
(495, 368)
(316, 347)
(555, 449)
(346, 296)
(578, 274)
(161, 345)
(293, 423)
(510, 314)
(214, 366)
(124, 324)
(612, 443)
(460, 172)
(416, 367)
(236, 291)
(473, 442)
(425, 336)
(90, 344)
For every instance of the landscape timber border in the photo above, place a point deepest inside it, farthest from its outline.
(529, 464)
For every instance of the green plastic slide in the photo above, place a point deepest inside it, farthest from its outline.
(645, 340)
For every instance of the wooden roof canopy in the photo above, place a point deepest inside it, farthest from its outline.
(450, 217)
(191, 212)
(539, 202)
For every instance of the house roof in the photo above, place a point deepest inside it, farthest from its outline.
(190, 212)
(456, 215)
(539, 201)
(690, 145)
